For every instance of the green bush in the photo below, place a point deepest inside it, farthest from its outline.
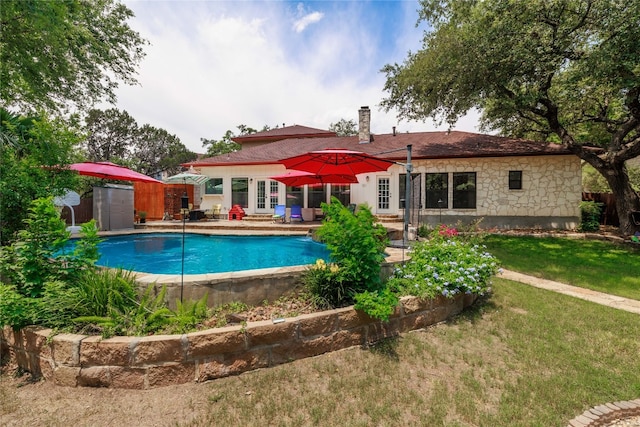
(590, 216)
(356, 242)
(15, 309)
(357, 247)
(147, 315)
(380, 304)
(45, 283)
(444, 265)
(37, 275)
(327, 286)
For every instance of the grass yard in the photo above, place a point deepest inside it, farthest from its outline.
(593, 264)
(527, 358)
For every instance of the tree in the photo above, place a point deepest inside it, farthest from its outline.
(57, 54)
(30, 166)
(223, 146)
(344, 127)
(156, 150)
(111, 135)
(593, 182)
(566, 71)
(226, 143)
(115, 136)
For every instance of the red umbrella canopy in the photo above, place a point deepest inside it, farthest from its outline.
(297, 178)
(108, 170)
(336, 161)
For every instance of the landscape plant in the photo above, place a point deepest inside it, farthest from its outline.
(48, 282)
(590, 216)
(357, 244)
(446, 264)
(326, 285)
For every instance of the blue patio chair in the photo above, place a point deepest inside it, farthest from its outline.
(279, 213)
(296, 213)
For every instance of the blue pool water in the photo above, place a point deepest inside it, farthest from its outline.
(161, 253)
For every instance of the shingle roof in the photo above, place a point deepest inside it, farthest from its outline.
(425, 145)
(285, 132)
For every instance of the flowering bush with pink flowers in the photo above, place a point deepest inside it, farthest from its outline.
(446, 231)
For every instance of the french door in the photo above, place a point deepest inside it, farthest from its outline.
(384, 195)
(266, 195)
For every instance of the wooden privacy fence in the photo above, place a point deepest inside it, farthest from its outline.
(156, 199)
(82, 213)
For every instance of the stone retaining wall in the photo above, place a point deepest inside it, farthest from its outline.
(159, 360)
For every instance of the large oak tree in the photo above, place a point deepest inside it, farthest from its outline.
(556, 70)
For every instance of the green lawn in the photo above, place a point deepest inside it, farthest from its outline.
(527, 357)
(593, 264)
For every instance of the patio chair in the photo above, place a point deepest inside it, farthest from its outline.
(280, 213)
(214, 212)
(296, 213)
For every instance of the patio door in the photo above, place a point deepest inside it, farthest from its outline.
(266, 195)
(384, 195)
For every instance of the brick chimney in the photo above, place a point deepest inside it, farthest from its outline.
(364, 125)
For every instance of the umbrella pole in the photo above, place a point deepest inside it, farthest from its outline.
(184, 204)
(407, 198)
(182, 271)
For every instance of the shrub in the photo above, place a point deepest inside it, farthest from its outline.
(44, 283)
(444, 265)
(356, 243)
(379, 304)
(38, 278)
(327, 286)
(15, 309)
(590, 216)
(149, 315)
(357, 247)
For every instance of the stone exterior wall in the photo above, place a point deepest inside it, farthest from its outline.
(154, 361)
(550, 196)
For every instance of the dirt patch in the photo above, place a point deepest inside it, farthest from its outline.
(42, 403)
(287, 306)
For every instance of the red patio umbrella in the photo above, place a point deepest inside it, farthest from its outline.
(336, 161)
(108, 170)
(298, 178)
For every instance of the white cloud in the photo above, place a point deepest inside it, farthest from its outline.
(214, 65)
(301, 24)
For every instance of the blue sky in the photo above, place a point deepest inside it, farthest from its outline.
(212, 65)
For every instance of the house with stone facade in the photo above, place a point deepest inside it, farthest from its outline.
(456, 176)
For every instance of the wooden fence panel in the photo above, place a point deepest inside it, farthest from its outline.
(156, 199)
(83, 212)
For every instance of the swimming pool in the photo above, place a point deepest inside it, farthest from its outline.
(161, 253)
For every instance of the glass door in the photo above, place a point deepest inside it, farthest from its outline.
(266, 195)
(384, 195)
(261, 195)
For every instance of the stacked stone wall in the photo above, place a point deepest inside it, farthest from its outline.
(160, 360)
